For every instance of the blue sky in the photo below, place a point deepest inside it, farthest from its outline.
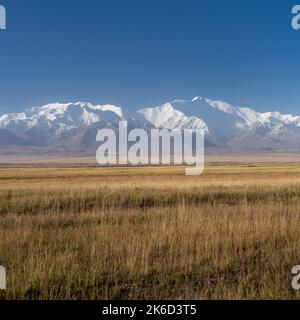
(139, 53)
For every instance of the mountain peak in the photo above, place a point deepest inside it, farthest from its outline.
(196, 99)
(225, 125)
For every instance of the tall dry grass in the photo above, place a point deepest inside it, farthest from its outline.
(147, 233)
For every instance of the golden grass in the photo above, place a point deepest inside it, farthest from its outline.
(150, 233)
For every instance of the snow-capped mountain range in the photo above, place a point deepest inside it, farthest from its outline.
(72, 127)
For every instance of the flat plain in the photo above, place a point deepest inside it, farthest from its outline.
(84, 232)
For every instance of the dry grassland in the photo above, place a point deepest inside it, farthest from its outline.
(150, 233)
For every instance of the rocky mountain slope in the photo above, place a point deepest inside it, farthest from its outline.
(72, 127)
